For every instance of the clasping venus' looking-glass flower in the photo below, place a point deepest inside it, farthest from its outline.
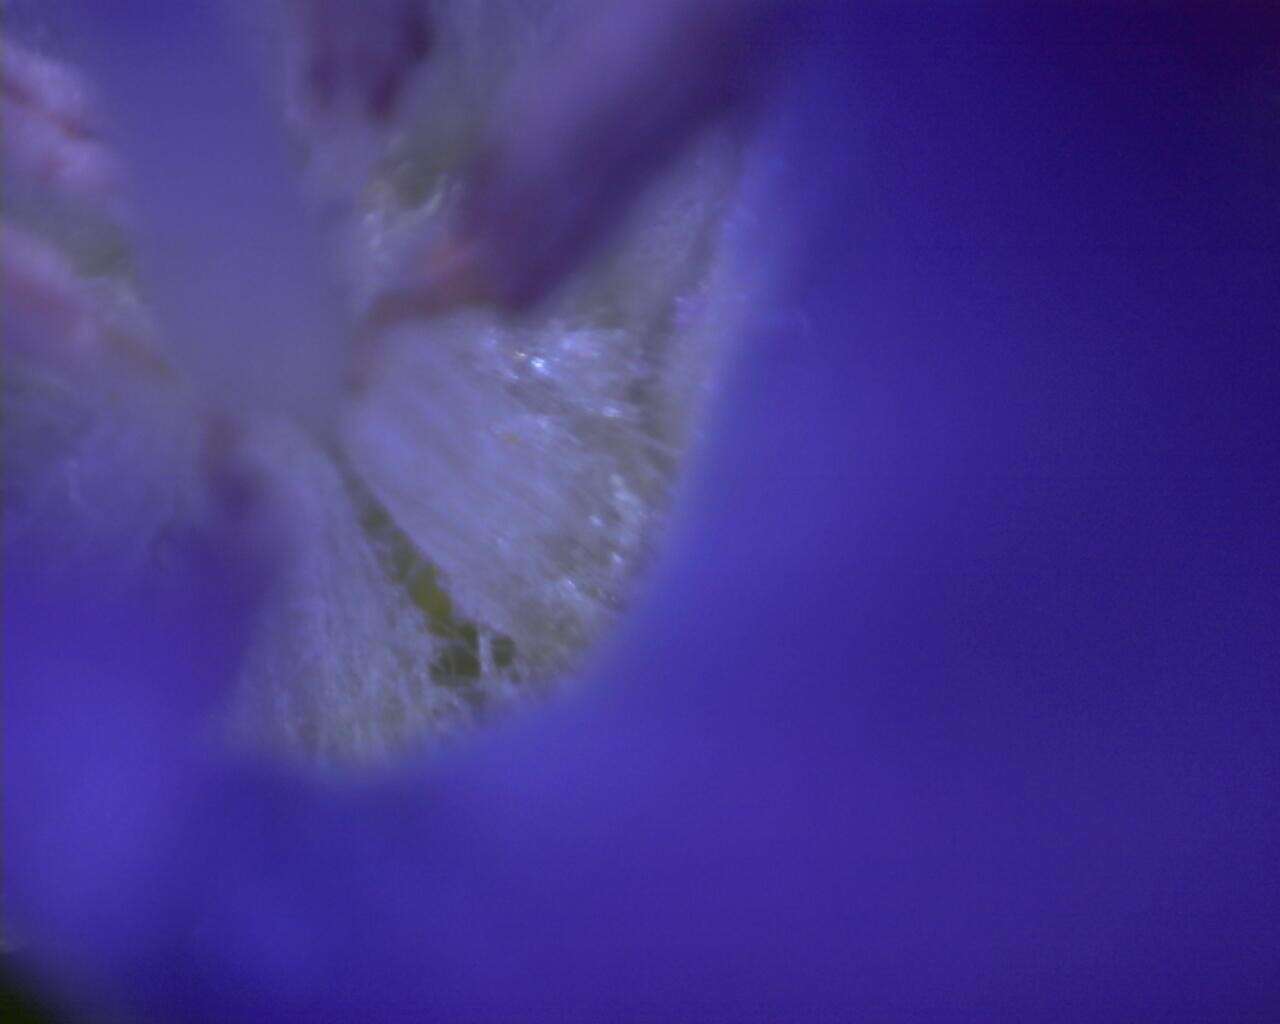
(951, 694)
(471, 520)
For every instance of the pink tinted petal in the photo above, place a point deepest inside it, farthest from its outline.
(47, 86)
(38, 150)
